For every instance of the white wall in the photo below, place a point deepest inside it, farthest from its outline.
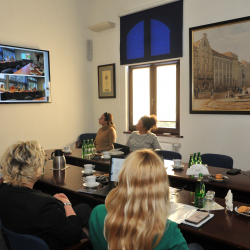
(223, 134)
(59, 26)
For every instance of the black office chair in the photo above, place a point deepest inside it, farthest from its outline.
(216, 160)
(30, 242)
(18, 67)
(86, 136)
(170, 155)
(10, 71)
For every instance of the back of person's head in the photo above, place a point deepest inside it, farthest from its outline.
(109, 119)
(22, 163)
(149, 122)
(139, 207)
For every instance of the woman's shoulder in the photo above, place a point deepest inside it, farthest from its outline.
(99, 209)
(151, 135)
(98, 212)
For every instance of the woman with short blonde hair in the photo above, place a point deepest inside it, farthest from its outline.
(22, 163)
(135, 213)
(25, 210)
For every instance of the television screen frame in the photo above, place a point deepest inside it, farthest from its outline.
(24, 80)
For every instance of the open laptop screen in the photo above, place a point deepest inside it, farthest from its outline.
(116, 166)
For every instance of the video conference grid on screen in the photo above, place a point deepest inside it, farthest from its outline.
(24, 75)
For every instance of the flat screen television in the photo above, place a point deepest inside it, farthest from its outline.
(24, 75)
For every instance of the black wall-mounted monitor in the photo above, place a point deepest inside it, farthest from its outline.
(24, 75)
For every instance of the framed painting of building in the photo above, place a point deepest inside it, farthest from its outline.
(106, 81)
(220, 67)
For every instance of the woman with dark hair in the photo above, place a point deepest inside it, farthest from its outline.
(143, 138)
(25, 210)
(106, 135)
(135, 214)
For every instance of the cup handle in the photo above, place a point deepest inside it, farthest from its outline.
(84, 179)
(93, 167)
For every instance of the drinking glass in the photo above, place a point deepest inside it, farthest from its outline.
(209, 200)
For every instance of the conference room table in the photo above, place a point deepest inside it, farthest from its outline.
(239, 184)
(226, 230)
(28, 69)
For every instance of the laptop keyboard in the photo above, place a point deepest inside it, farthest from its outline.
(104, 191)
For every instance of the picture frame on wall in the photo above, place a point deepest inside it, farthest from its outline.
(220, 67)
(106, 81)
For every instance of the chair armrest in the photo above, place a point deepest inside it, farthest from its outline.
(79, 245)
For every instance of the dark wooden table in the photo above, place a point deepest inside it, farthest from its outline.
(75, 158)
(239, 184)
(225, 231)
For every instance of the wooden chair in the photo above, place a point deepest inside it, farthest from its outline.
(31, 242)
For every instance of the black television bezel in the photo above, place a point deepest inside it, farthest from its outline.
(49, 82)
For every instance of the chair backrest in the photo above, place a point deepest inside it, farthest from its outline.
(216, 160)
(170, 155)
(24, 241)
(86, 136)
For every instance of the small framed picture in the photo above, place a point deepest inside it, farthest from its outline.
(106, 81)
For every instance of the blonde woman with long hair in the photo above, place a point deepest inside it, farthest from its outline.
(135, 213)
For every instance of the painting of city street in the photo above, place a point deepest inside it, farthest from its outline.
(220, 68)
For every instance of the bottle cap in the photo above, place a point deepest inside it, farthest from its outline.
(200, 175)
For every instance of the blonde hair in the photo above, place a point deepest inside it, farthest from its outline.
(139, 207)
(22, 163)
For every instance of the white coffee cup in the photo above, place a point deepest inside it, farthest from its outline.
(105, 154)
(90, 180)
(66, 148)
(177, 162)
(88, 168)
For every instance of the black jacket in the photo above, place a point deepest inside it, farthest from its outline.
(25, 210)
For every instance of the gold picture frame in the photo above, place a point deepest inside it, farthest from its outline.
(106, 81)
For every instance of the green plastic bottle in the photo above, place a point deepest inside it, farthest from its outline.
(199, 199)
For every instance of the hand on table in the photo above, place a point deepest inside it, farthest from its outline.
(62, 197)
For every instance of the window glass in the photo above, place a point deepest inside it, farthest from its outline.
(141, 92)
(166, 96)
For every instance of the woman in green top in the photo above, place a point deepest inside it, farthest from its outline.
(135, 213)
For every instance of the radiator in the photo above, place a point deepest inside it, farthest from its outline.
(167, 146)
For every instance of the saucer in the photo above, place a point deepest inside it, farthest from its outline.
(91, 172)
(93, 185)
(105, 158)
(180, 167)
(67, 152)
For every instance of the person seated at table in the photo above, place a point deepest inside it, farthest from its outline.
(106, 135)
(28, 211)
(18, 88)
(23, 89)
(2, 88)
(135, 214)
(7, 59)
(13, 88)
(143, 138)
(12, 59)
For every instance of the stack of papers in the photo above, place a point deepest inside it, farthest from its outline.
(116, 151)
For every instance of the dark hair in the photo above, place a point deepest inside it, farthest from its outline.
(109, 119)
(149, 122)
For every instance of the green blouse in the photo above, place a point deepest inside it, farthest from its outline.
(172, 238)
